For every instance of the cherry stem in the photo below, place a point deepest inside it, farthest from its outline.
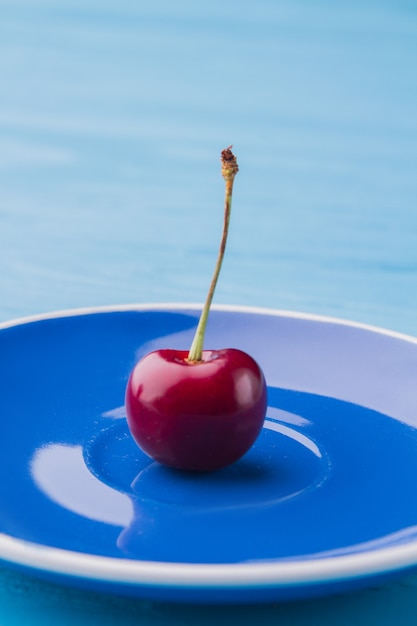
(229, 170)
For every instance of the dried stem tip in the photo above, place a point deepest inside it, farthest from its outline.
(229, 164)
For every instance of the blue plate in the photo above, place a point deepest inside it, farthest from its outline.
(325, 501)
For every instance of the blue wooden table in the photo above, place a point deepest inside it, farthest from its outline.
(112, 119)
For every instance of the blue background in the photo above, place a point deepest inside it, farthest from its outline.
(112, 119)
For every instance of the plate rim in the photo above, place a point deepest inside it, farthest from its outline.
(255, 575)
(197, 306)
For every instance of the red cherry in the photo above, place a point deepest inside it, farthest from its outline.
(198, 410)
(196, 416)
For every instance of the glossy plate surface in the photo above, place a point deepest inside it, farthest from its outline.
(326, 499)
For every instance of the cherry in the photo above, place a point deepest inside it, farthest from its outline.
(196, 416)
(198, 410)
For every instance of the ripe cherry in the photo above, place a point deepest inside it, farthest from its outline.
(196, 416)
(203, 409)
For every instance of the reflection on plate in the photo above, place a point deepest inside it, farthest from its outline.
(324, 501)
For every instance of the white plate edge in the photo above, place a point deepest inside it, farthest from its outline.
(178, 306)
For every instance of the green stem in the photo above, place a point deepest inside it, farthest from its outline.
(229, 171)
